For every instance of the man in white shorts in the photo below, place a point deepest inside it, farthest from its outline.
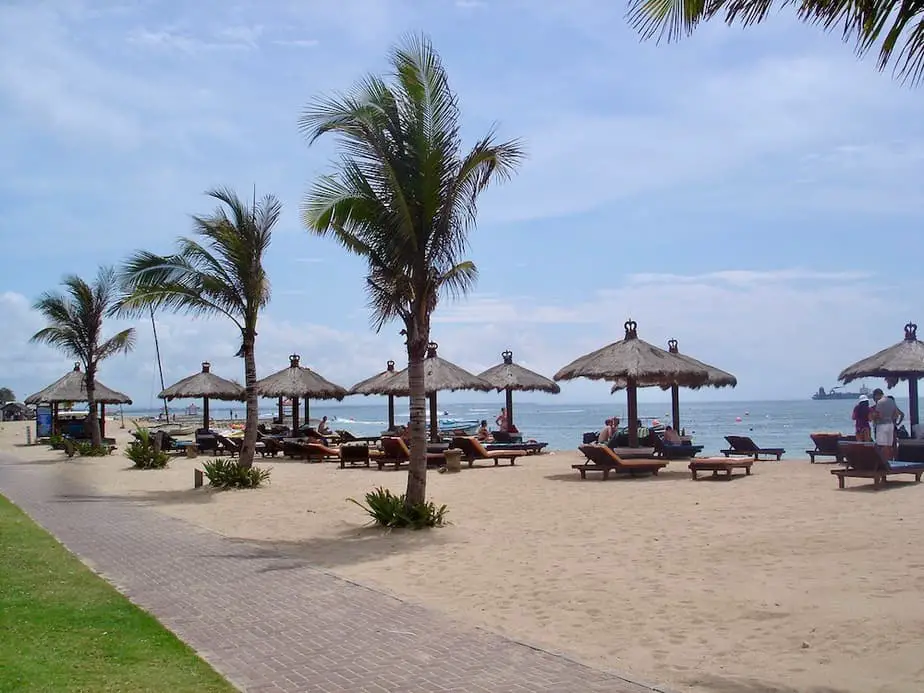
(884, 414)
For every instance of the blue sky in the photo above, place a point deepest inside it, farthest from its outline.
(754, 194)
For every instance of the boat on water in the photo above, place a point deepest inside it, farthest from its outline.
(838, 393)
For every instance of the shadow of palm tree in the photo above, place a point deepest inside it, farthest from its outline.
(191, 496)
(719, 684)
(664, 475)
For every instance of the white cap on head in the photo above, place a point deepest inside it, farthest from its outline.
(864, 398)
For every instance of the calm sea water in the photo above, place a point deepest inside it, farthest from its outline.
(770, 424)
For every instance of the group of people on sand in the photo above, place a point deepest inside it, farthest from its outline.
(503, 425)
(878, 421)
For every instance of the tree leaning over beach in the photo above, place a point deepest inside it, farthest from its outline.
(221, 275)
(897, 25)
(404, 197)
(75, 326)
(6, 395)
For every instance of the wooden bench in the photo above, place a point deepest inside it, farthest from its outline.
(719, 464)
(867, 461)
(603, 459)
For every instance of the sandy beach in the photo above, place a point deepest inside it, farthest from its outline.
(773, 582)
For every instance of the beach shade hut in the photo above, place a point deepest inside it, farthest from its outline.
(206, 385)
(634, 363)
(509, 376)
(717, 378)
(73, 388)
(297, 381)
(439, 375)
(902, 361)
(375, 386)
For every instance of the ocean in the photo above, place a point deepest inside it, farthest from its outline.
(770, 424)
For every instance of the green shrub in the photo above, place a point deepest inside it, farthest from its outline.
(86, 449)
(142, 452)
(56, 441)
(224, 473)
(388, 510)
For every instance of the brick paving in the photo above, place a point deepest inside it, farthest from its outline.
(271, 622)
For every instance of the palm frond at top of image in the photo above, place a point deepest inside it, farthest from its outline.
(896, 25)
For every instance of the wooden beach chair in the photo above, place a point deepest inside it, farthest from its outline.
(867, 461)
(530, 447)
(719, 464)
(228, 445)
(604, 459)
(358, 453)
(744, 446)
(272, 446)
(395, 451)
(826, 445)
(682, 451)
(473, 451)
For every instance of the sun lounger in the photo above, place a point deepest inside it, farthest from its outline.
(531, 447)
(910, 450)
(719, 464)
(228, 445)
(206, 440)
(867, 461)
(826, 445)
(744, 446)
(604, 459)
(396, 452)
(674, 451)
(473, 451)
(357, 453)
(271, 445)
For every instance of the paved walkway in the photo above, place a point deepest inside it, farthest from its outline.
(271, 622)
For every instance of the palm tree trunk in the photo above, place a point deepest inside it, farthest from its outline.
(96, 438)
(252, 419)
(417, 469)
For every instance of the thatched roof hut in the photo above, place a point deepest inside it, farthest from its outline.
(206, 385)
(635, 363)
(376, 386)
(298, 381)
(902, 361)
(439, 375)
(716, 378)
(73, 388)
(510, 376)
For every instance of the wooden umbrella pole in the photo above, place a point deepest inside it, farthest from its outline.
(295, 417)
(434, 420)
(509, 402)
(632, 412)
(675, 407)
(206, 424)
(913, 401)
(391, 412)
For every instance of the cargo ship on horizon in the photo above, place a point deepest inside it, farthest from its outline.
(838, 393)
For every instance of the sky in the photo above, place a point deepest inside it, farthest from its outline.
(754, 194)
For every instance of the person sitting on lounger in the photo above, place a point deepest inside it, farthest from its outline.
(483, 434)
(606, 432)
(671, 437)
(323, 428)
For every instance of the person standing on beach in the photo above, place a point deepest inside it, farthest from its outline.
(884, 414)
(860, 416)
(501, 420)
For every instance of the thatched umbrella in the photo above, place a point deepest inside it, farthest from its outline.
(297, 381)
(717, 378)
(375, 385)
(73, 388)
(509, 376)
(206, 385)
(635, 363)
(902, 361)
(439, 374)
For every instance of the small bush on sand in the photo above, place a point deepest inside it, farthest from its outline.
(143, 453)
(224, 473)
(389, 510)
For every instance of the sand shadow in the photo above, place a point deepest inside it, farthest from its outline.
(44, 462)
(664, 475)
(348, 546)
(889, 485)
(718, 684)
(189, 496)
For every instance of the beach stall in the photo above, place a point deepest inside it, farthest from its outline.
(207, 386)
(297, 381)
(902, 361)
(73, 388)
(509, 376)
(376, 386)
(439, 375)
(717, 378)
(632, 363)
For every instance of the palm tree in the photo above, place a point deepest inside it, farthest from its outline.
(223, 275)
(895, 24)
(76, 325)
(404, 197)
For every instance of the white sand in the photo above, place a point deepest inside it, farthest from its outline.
(774, 582)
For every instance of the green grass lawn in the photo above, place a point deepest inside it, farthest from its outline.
(62, 628)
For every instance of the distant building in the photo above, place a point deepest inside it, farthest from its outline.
(16, 411)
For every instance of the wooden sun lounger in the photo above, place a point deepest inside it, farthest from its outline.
(529, 447)
(357, 453)
(719, 464)
(826, 445)
(867, 461)
(604, 459)
(228, 445)
(473, 451)
(744, 446)
(396, 452)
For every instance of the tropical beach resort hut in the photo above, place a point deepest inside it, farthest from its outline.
(207, 386)
(376, 386)
(297, 381)
(633, 363)
(509, 376)
(73, 388)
